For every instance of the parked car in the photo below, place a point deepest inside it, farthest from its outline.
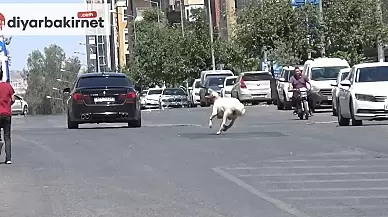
(335, 91)
(363, 94)
(173, 97)
(212, 83)
(228, 85)
(283, 95)
(253, 87)
(152, 98)
(194, 93)
(20, 106)
(143, 95)
(103, 98)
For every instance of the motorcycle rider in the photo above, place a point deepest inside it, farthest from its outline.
(297, 81)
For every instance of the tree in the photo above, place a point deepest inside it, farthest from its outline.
(47, 74)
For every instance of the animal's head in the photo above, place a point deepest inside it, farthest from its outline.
(213, 94)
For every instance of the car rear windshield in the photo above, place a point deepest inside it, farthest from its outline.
(373, 74)
(174, 91)
(103, 81)
(344, 75)
(215, 81)
(197, 84)
(257, 77)
(154, 92)
(230, 81)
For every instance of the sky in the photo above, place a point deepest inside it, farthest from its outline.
(21, 46)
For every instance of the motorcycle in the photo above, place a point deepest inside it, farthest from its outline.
(302, 105)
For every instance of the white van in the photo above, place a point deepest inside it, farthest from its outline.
(323, 72)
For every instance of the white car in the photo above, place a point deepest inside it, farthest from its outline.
(194, 93)
(228, 85)
(152, 97)
(282, 86)
(143, 95)
(254, 87)
(363, 94)
(343, 73)
(20, 106)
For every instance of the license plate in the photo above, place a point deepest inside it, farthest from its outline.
(104, 99)
(386, 107)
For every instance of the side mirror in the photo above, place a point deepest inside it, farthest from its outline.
(282, 80)
(346, 83)
(334, 85)
(66, 90)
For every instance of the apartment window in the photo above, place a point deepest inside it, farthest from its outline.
(126, 57)
(125, 12)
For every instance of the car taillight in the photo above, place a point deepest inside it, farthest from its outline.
(129, 97)
(80, 97)
(242, 84)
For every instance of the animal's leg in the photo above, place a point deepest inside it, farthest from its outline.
(223, 124)
(212, 116)
(230, 125)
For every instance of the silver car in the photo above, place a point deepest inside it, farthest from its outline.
(173, 97)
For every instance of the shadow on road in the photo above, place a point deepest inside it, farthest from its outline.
(231, 135)
(102, 128)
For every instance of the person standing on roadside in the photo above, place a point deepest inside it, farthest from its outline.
(7, 98)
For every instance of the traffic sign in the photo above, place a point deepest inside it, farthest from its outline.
(298, 3)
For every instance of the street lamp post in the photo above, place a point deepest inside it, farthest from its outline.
(211, 35)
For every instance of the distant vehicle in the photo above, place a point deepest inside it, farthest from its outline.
(103, 98)
(212, 83)
(283, 95)
(336, 87)
(194, 93)
(322, 73)
(152, 98)
(20, 106)
(228, 85)
(173, 97)
(143, 94)
(253, 87)
(214, 73)
(363, 94)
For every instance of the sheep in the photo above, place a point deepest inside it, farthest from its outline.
(225, 109)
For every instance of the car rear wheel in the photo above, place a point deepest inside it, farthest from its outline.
(25, 110)
(335, 113)
(135, 123)
(255, 103)
(71, 124)
(269, 102)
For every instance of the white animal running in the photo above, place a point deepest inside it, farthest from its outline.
(225, 109)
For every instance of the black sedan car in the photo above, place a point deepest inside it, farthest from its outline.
(103, 98)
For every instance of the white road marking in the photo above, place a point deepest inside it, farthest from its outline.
(327, 189)
(337, 198)
(303, 167)
(350, 207)
(324, 181)
(319, 160)
(311, 174)
(277, 203)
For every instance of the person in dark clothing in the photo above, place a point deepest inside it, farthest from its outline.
(7, 98)
(300, 81)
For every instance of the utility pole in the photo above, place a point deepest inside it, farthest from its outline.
(323, 51)
(182, 3)
(211, 35)
(380, 49)
(130, 16)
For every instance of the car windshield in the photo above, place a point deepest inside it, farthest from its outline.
(373, 74)
(174, 91)
(215, 81)
(103, 81)
(197, 84)
(155, 92)
(325, 73)
(288, 74)
(230, 81)
(144, 92)
(257, 77)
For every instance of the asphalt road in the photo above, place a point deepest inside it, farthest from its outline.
(269, 164)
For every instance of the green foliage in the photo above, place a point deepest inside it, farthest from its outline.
(42, 74)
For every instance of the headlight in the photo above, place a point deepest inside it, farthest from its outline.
(363, 97)
(314, 88)
(210, 90)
